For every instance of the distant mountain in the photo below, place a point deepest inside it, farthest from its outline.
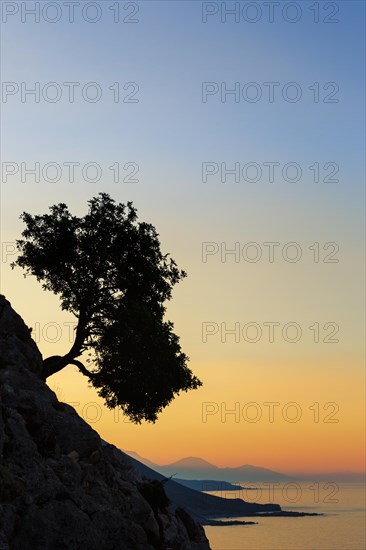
(195, 468)
(190, 463)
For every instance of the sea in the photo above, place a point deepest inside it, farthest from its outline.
(342, 527)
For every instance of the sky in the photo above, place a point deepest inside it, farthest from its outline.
(229, 131)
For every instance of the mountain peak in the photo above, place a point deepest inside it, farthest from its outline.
(191, 462)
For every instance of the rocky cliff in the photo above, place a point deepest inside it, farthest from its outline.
(61, 487)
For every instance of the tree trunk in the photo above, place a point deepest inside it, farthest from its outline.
(55, 363)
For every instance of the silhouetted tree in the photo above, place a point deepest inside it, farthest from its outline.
(109, 272)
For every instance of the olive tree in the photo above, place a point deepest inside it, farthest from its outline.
(110, 273)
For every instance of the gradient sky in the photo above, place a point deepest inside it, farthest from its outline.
(169, 133)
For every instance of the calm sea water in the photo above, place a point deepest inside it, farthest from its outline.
(341, 528)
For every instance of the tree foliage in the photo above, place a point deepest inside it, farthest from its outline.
(109, 271)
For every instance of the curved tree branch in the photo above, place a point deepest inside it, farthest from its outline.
(55, 363)
(82, 368)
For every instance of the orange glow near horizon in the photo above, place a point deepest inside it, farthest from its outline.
(314, 391)
(224, 433)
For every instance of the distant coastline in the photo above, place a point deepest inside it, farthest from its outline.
(207, 509)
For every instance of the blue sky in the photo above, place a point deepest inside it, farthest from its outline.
(170, 132)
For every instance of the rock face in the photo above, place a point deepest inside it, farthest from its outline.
(61, 487)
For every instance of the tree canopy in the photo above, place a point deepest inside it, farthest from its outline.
(109, 271)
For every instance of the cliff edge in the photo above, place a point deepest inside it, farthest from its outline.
(61, 487)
